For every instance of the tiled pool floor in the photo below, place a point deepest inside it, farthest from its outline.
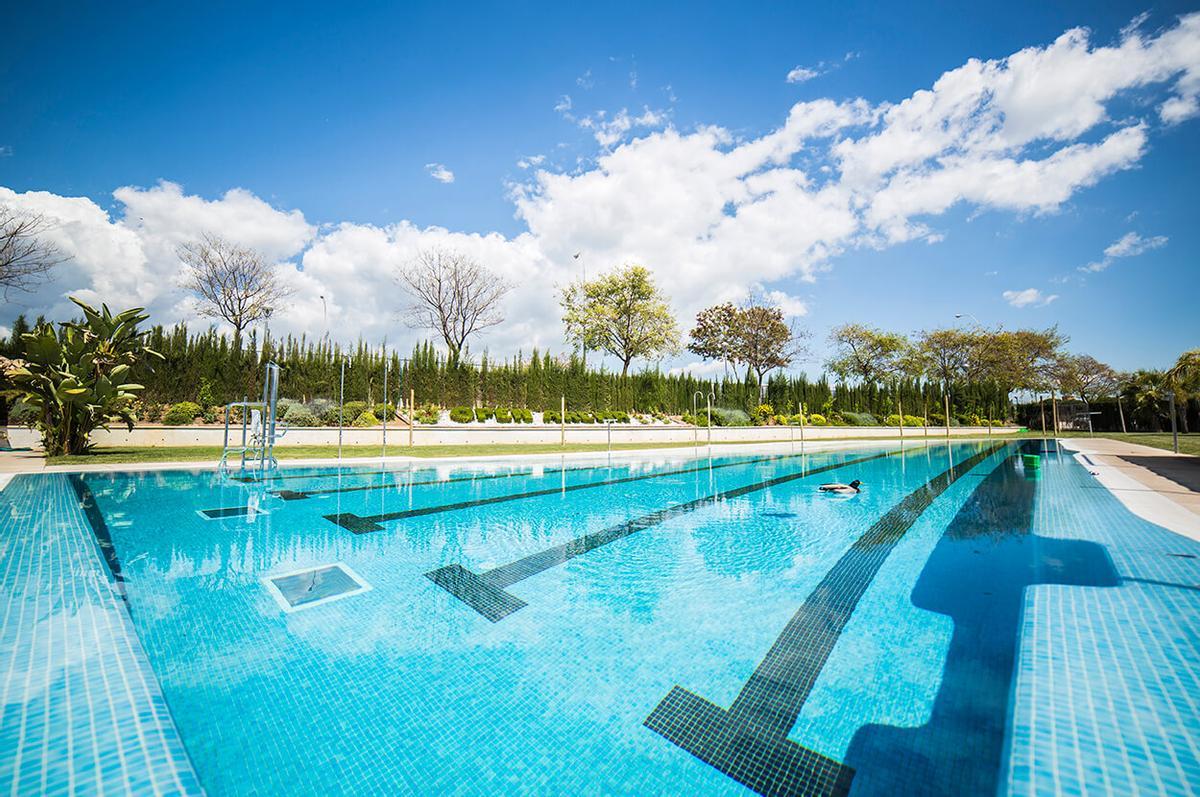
(660, 625)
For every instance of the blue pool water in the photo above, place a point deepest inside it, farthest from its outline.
(652, 625)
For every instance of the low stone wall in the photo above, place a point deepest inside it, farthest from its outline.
(171, 436)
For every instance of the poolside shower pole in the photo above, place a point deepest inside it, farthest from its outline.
(341, 405)
(711, 396)
(801, 424)
(386, 412)
(695, 426)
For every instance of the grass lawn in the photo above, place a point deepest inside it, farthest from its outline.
(1188, 444)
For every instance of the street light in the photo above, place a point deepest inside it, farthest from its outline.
(579, 256)
(970, 316)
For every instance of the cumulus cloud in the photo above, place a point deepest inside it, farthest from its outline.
(439, 172)
(531, 160)
(1131, 244)
(1028, 297)
(800, 74)
(710, 212)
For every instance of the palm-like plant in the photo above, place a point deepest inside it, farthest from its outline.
(75, 376)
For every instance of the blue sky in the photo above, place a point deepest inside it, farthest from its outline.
(342, 115)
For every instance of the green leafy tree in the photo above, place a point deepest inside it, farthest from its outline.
(715, 335)
(74, 377)
(622, 313)
(865, 353)
(764, 341)
(1086, 377)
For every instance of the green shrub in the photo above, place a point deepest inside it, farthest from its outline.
(384, 411)
(762, 414)
(207, 397)
(484, 413)
(23, 414)
(796, 420)
(913, 420)
(181, 413)
(779, 420)
(352, 409)
(282, 407)
(503, 415)
(300, 415)
(860, 419)
(366, 418)
(522, 415)
(462, 414)
(551, 416)
(816, 419)
(428, 414)
(722, 416)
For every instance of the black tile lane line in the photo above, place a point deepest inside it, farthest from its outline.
(748, 741)
(360, 524)
(95, 518)
(299, 495)
(485, 592)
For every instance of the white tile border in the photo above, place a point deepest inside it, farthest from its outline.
(1139, 499)
(268, 581)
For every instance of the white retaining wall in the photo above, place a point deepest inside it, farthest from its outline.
(170, 436)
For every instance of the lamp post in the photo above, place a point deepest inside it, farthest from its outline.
(695, 410)
(579, 256)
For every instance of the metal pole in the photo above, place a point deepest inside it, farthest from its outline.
(710, 399)
(801, 424)
(341, 406)
(1174, 424)
(412, 414)
(1054, 410)
(946, 402)
(696, 427)
(1121, 413)
(1088, 409)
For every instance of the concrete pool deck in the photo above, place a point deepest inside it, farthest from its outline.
(1157, 485)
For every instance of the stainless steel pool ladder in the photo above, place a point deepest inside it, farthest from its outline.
(260, 428)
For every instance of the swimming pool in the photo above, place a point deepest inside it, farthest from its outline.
(664, 624)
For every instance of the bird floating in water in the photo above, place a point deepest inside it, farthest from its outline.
(841, 489)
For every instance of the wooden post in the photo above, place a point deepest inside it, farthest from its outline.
(946, 401)
(1054, 410)
(900, 409)
(562, 421)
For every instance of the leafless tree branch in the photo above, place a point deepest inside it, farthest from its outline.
(453, 295)
(234, 283)
(26, 257)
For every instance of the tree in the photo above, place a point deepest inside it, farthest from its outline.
(948, 356)
(865, 353)
(715, 335)
(623, 314)
(26, 257)
(454, 296)
(1186, 371)
(234, 283)
(1023, 359)
(764, 341)
(74, 377)
(1086, 377)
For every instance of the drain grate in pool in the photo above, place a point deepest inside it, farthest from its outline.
(313, 586)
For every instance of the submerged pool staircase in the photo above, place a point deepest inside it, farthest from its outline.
(260, 429)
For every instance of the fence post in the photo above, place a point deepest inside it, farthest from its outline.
(1174, 424)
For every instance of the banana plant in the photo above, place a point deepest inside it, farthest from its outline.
(75, 376)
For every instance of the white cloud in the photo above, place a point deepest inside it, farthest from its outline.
(711, 213)
(530, 161)
(1027, 297)
(1131, 244)
(800, 74)
(791, 306)
(564, 104)
(439, 172)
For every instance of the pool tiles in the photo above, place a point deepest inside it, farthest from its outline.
(81, 709)
(485, 592)
(1107, 697)
(749, 741)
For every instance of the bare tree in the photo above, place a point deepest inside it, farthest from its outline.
(26, 258)
(453, 295)
(234, 283)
